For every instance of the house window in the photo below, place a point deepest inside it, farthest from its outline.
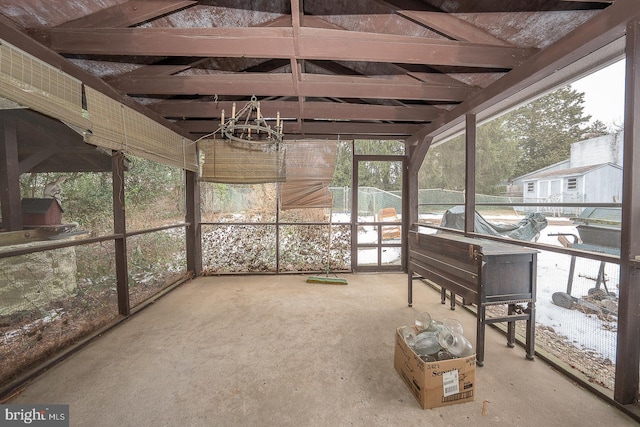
(572, 183)
(530, 187)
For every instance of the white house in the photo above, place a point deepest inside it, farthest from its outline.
(593, 173)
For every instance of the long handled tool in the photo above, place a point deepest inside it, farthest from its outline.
(335, 280)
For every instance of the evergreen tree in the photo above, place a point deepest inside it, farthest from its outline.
(597, 128)
(342, 172)
(444, 166)
(536, 135)
(496, 156)
(546, 127)
(384, 175)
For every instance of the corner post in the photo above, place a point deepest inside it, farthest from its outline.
(628, 350)
(194, 241)
(9, 174)
(120, 230)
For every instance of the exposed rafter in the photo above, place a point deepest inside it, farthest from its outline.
(383, 62)
(276, 42)
(280, 84)
(312, 110)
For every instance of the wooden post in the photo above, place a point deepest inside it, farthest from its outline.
(9, 175)
(354, 210)
(628, 351)
(194, 240)
(120, 229)
(470, 174)
(405, 208)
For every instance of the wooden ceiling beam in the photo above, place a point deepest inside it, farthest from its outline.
(240, 84)
(280, 84)
(278, 42)
(341, 128)
(312, 110)
(381, 88)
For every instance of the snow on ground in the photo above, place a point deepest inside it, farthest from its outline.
(585, 331)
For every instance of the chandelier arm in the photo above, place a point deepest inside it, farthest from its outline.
(235, 125)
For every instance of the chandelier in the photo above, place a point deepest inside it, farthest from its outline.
(249, 126)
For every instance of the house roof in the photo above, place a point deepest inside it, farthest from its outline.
(545, 169)
(38, 205)
(380, 69)
(580, 170)
(48, 145)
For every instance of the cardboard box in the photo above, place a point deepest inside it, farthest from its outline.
(435, 384)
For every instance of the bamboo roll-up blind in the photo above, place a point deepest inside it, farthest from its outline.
(237, 163)
(304, 195)
(121, 128)
(310, 167)
(35, 84)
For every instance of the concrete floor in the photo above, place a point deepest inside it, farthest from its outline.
(277, 351)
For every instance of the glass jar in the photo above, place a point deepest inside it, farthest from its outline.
(426, 343)
(453, 325)
(409, 335)
(455, 343)
(423, 321)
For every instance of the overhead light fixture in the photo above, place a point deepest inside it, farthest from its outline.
(248, 125)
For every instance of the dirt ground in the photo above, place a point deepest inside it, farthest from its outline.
(597, 369)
